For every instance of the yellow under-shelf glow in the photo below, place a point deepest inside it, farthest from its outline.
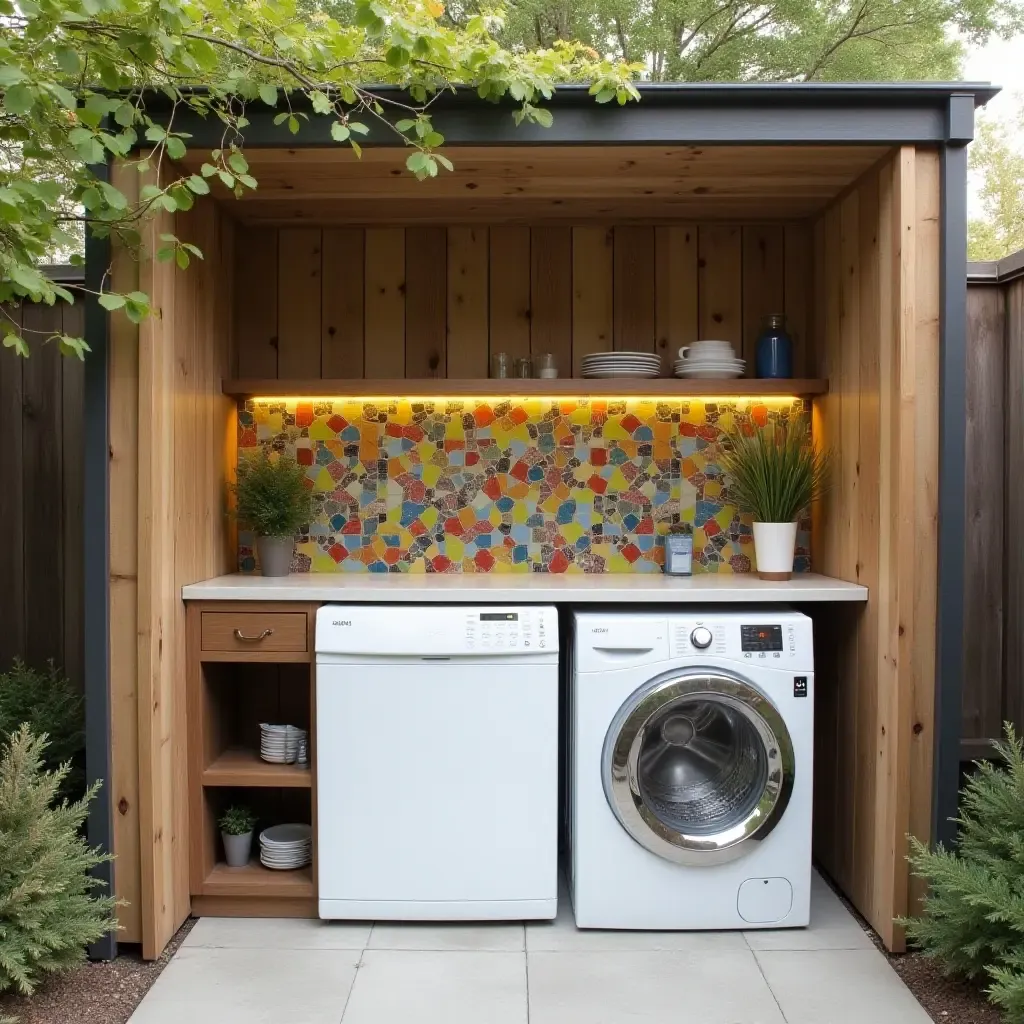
(761, 399)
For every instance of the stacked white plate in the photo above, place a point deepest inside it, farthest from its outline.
(621, 364)
(286, 847)
(280, 744)
(708, 360)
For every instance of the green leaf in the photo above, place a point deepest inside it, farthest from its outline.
(281, 118)
(10, 75)
(339, 132)
(70, 346)
(165, 254)
(227, 178)
(112, 301)
(543, 117)
(181, 258)
(293, 125)
(248, 180)
(68, 61)
(268, 93)
(444, 161)
(208, 170)
(238, 163)
(125, 115)
(115, 197)
(405, 125)
(397, 57)
(175, 147)
(17, 342)
(321, 104)
(19, 99)
(358, 127)
(198, 185)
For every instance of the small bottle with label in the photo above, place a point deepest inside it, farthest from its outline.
(679, 550)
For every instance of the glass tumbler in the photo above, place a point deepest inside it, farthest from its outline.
(501, 365)
(545, 366)
(523, 367)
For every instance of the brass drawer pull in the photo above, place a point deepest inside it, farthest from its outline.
(239, 635)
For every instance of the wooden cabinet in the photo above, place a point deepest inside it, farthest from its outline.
(248, 662)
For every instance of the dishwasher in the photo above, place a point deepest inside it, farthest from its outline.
(437, 762)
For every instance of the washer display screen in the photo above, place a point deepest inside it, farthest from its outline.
(761, 638)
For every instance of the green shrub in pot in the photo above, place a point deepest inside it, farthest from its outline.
(274, 500)
(774, 475)
(236, 825)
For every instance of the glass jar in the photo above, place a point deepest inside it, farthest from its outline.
(523, 367)
(501, 365)
(545, 366)
(679, 550)
(774, 349)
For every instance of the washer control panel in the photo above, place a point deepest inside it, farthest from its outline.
(761, 638)
(523, 630)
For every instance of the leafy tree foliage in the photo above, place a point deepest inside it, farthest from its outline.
(998, 155)
(724, 40)
(79, 80)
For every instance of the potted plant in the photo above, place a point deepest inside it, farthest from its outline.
(273, 499)
(236, 825)
(775, 475)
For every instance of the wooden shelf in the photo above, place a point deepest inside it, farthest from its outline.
(241, 767)
(567, 387)
(256, 880)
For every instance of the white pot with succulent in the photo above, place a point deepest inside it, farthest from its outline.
(236, 825)
(774, 475)
(274, 500)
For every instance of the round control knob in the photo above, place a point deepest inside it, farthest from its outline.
(701, 637)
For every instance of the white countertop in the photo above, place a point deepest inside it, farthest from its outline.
(576, 588)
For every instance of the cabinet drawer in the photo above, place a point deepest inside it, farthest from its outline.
(254, 633)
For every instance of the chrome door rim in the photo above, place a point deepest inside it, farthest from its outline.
(624, 742)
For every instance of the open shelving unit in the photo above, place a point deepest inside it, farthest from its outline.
(560, 387)
(244, 668)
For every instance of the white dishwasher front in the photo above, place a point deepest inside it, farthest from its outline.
(437, 762)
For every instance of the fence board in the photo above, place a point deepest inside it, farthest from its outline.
(1013, 551)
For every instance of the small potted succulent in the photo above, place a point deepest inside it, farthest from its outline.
(775, 473)
(236, 825)
(274, 500)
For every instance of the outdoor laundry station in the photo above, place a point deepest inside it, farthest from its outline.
(345, 289)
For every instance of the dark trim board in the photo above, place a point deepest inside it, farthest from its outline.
(677, 114)
(949, 640)
(96, 572)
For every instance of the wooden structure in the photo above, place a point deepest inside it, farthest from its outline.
(41, 497)
(846, 216)
(994, 575)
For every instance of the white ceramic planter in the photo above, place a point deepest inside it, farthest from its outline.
(237, 849)
(275, 555)
(774, 549)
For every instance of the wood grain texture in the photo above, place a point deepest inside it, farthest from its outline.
(426, 302)
(763, 283)
(341, 342)
(592, 293)
(987, 379)
(1014, 508)
(551, 294)
(261, 632)
(675, 290)
(299, 297)
(255, 319)
(510, 291)
(468, 301)
(12, 516)
(720, 283)
(634, 289)
(799, 295)
(72, 495)
(385, 303)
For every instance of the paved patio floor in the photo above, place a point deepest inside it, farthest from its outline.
(231, 971)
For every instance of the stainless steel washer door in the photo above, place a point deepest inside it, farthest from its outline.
(698, 766)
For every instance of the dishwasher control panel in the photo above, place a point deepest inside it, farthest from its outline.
(519, 630)
(436, 630)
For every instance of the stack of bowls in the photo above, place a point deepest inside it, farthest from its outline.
(286, 847)
(280, 744)
(709, 360)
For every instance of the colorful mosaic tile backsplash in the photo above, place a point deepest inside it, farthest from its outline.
(532, 485)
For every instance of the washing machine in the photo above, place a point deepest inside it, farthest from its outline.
(690, 765)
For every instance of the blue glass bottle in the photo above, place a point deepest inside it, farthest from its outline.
(774, 349)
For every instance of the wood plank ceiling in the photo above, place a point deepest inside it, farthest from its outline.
(330, 186)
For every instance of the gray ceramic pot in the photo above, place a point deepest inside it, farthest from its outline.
(237, 849)
(275, 555)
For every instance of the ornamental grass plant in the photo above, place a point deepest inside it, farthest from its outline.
(273, 498)
(49, 906)
(775, 472)
(972, 919)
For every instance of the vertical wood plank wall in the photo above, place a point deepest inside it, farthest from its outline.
(41, 497)
(876, 254)
(436, 302)
(172, 442)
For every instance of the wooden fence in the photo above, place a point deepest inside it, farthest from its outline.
(994, 577)
(41, 603)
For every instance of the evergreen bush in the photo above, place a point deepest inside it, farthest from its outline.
(49, 911)
(973, 916)
(48, 704)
